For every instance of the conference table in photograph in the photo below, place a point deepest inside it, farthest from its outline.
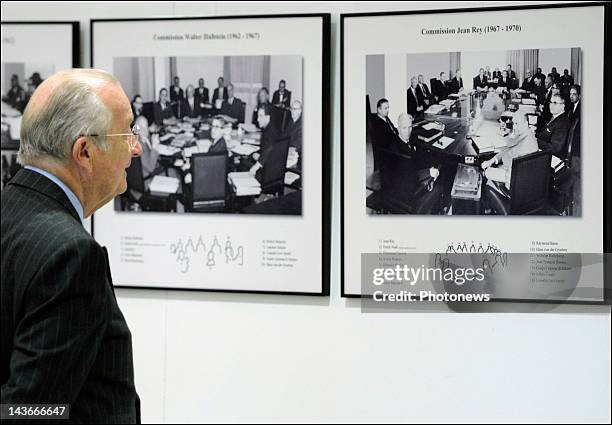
(460, 133)
(179, 140)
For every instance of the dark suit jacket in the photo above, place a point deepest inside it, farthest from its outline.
(64, 339)
(478, 83)
(566, 81)
(527, 84)
(201, 95)
(176, 99)
(216, 95)
(383, 132)
(294, 131)
(187, 111)
(233, 109)
(269, 136)
(571, 114)
(454, 85)
(413, 102)
(286, 98)
(219, 146)
(540, 92)
(423, 93)
(160, 115)
(553, 135)
(439, 89)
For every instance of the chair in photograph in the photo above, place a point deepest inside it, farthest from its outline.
(137, 192)
(209, 185)
(272, 175)
(400, 191)
(529, 186)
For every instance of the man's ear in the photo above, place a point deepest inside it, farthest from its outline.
(82, 152)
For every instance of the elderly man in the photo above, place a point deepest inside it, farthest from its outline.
(423, 90)
(64, 339)
(232, 106)
(294, 131)
(414, 102)
(417, 183)
(520, 142)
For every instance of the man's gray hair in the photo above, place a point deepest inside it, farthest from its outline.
(73, 109)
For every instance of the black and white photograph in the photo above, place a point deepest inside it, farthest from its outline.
(19, 80)
(219, 134)
(486, 126)
(31, 52)
(475, 132)
(231, 184)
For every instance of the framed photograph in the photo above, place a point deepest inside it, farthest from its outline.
(31, 52)
(484, 131)
(231, 191)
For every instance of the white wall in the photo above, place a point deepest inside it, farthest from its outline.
(471, 62)
(428, 64)
(191, 69)
(204, 357)
(559, 58)
(375, 79)
(290, 69)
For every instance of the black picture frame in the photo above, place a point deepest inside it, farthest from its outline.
(326, 158)
(607, 136)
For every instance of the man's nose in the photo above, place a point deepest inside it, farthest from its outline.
(136, 149)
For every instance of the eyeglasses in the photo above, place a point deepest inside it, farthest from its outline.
(132, 138)
(558, 103)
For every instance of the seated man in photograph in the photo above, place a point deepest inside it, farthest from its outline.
(554, 75)
(162, 112)
(438, 88)
(480, 82)
(511, 73)
(553, 135)
(269, 136)
(573, 113)
(419, 186)
(566, 80)
(383, 130)
(423, 91)
(201, 93)
(455, 84)
(263, 97)
(520, 142)
(415, 105)
(282, 96)
(539, 74)
(176, 96)
(219, 143)
(220, 93)
(527, 82)
(538, 90)
(15, 95)
(137, 106)
(190, 108)
(573, 109)
(294, 130)
(493, 106)
(504, 81)
(232, 107)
